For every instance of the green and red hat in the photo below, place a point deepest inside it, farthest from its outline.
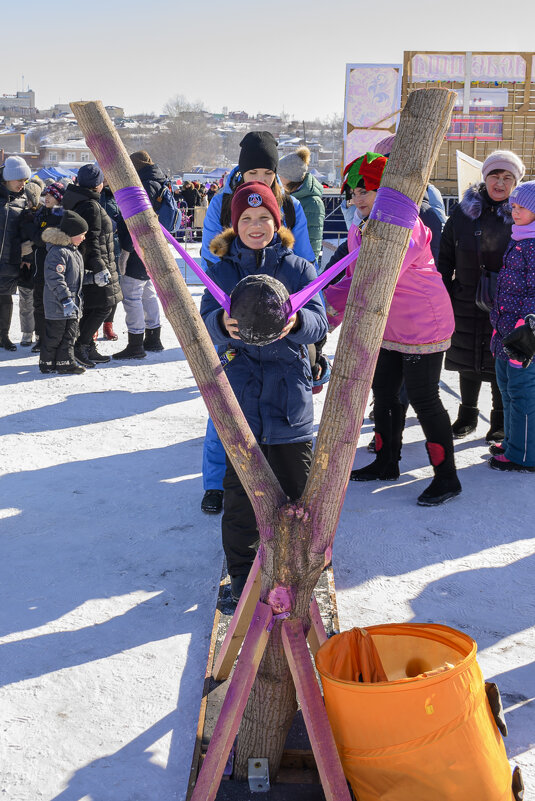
(365, 171)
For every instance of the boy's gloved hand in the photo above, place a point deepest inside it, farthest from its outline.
(520, 343)
(69, 307)
(103, 277)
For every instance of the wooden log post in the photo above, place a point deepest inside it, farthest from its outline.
(254, 472)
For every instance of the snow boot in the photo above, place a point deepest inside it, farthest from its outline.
(445, 484)
(134, 349)
(237, 583)
(152, 341)
(389, 425)
(26, 340)
(501, 462)
(109, 333)
(5, 341)
(212, 502)
(95, 356)
(496, 450)
(37, 347)
(71, 368)
(466, 421)
(81, 354)
(495, 432)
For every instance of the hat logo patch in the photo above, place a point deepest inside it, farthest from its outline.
(254, 200)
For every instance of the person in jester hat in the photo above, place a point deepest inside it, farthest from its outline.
(418, 331)
(272, 382)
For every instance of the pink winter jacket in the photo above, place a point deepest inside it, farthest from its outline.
(421, 316)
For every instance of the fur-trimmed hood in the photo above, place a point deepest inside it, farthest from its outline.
(220, 245)
(55, 236)
(475, 198)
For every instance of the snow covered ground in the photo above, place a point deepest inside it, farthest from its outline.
(109, 573)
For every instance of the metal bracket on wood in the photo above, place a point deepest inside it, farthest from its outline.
(258, 775)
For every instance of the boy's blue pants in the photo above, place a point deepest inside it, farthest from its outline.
(213, 459)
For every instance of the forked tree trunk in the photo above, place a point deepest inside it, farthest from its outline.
(294, 536)
(297, 559)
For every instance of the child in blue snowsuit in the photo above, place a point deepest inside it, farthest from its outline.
(273, 382)
(514, 300)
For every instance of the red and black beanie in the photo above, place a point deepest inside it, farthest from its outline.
(252, 195)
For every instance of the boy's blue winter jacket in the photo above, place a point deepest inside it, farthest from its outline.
(515, 292)
(212, 227)
(273, 383)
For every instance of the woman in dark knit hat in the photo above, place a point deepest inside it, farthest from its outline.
(258, 161)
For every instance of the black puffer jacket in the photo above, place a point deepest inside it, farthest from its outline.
(152, 179)
(459, 264)
(44, 218)
(97, 249)
(11, 207)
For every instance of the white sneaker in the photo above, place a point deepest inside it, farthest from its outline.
(26, 339)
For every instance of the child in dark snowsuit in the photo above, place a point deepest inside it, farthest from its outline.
(273, 382)
(514, 301)
(62, 296)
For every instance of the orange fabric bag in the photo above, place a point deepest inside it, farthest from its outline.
(410, 717)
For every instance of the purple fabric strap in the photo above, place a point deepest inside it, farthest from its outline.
(395, 208)
(131, 201)
(299, 299)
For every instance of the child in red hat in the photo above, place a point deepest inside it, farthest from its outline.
(273, 382)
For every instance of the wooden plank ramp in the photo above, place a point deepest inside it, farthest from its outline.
(299, 778)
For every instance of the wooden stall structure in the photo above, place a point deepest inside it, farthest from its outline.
(495, 108)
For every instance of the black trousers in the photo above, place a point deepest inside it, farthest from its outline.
(291, 464)
(470, 384)
(91, 321)
(39, 309)
(421, 374)
(57, 345)
(6, 312)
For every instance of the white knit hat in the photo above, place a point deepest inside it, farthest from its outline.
(504, 160)
(16, 169)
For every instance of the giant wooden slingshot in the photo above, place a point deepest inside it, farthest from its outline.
(295, 538)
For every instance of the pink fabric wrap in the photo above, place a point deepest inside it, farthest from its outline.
(421, 311)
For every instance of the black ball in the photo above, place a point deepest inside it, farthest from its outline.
(261, 305)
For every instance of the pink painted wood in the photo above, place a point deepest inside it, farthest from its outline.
(231, 713)
(314, 714)
(317, 634)
(239, 624)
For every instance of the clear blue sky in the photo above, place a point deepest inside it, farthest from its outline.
(256, 56)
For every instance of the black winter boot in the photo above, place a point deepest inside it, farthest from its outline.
(495, 432)
(81, 354)
(466, 421)
(134, 349)
(152, 339)
(389, 426)
(445, 484)
(95, 356)
(5, 341)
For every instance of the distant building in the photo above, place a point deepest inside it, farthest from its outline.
(12, 142)
(20, 105)
(73, 153)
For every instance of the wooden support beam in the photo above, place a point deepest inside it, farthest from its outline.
(316, 635)
(231, 713)
(239, 624)
(314, 713)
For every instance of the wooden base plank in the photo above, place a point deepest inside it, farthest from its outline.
(318, 727)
